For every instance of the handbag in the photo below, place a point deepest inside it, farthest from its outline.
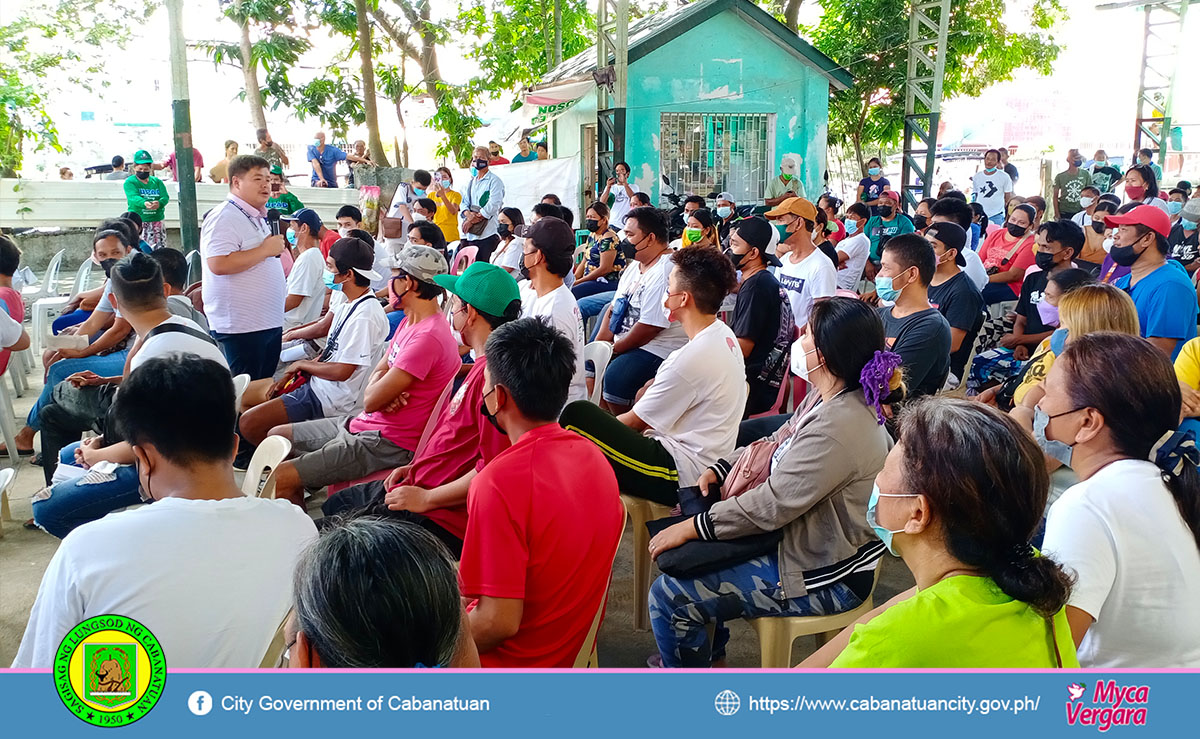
(478, 225)
(696, 558)
(754, 466)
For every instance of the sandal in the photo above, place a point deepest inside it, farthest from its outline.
(20, 452)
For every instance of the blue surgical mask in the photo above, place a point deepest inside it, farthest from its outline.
(1174, 207)
(851, 227)
(873, 171)
(885, 535)
(885, 290)
(329, 281)
(474, 172)
(317, 143)
(1056, 449)
(291, 237)
(418, 193)
(1188, 225)
(723, 211)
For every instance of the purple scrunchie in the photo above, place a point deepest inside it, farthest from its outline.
(876, 378)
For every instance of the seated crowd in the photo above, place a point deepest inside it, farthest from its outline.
(473, 490)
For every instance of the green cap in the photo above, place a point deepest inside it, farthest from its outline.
(484, 286)
(142, 157)
(276, 169)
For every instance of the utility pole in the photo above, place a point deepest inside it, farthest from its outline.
(189, 231)
(928, 28)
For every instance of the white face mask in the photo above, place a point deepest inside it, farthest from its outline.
(343, 232)
(1085, 201)
(800, 363)
(1108, 244)
(418, 217)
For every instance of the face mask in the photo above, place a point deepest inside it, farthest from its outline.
(474, 171)
(1056, 449)
(1108, 245)
(692, 235)
(142, 175)
(1134, 192)
(1016, 231)
(291, 237)
(343, 232)
(480, 164)
(873, 171)
(503, 230)
(1123, 256)
(1174, 207)
(783, 231)
(920, 222)
(886, 211)
(317, 143)
(851, 227)
(419, 193)
(989, 170)
(1048, 313)
(736, 258)
(787, 177)
(1085, 201)
(724, 211)
(1098, 226)
(885, 290)
(885, 535)
(107, 265)
(801, 367)
(491, 417)
(1188, 225)
(1044, 261)
(419, 217)
(592, 225)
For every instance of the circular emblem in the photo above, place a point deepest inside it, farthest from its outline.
(727, 703)
(109, 671)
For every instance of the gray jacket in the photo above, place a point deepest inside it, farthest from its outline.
(817, 491)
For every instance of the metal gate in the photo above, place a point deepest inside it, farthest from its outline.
(708, 153)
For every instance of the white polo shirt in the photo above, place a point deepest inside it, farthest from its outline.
(247, 301)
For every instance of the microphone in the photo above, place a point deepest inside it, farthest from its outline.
(273, 220)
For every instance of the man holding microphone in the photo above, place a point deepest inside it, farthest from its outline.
(244, 287)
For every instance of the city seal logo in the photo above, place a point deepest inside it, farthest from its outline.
(109, 671)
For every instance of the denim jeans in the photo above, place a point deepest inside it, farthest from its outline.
(108, 365)
(593, 306)
(680, 609)
(71, 504)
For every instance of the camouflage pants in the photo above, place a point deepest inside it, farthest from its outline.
(680, 609)
(155, 234)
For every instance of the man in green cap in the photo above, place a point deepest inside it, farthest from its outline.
(282, 200)
(147, 196)
(432, 490)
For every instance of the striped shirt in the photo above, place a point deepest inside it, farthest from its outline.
(247, 301)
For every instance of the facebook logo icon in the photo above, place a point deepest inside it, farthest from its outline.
(200, 703)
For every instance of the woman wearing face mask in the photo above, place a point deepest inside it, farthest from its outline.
(699, 229)
(871, 188)
(1141, 187)
(448, 201)
(1130, 530)
(821, 237)
(816, 492)
(958, 499)
(600, 270)
(508, 253)
(1110, 271)
(923, 213)
(1006, 254)
(830, 205)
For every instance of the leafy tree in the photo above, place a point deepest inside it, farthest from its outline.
(869, 38)
(50, 40)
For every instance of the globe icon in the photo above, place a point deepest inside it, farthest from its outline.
(727, 703)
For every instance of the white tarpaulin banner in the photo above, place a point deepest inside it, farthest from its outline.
(539, 107)
(526, 182)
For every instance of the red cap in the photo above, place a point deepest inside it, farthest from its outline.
(891, 194)
(1150, 216)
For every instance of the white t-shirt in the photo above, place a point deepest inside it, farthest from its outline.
(988, 190)
(1138, 568)
(1082, 218)
(974, 268)
(811, 278)
(697, 400)
(622, 203)
(382, 266)
(212, 579)
(10, 330)
(307, 279)
(357, 341)
(857, 248)
(404, 196)
(105, 305)
(646, 291)
(509, 257)
(562, 312)
(177, 342)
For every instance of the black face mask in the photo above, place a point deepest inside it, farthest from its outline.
(886, 211)
(1098, 227)
(592, 225)
(1016, 231)
(920, 222)
(1044, 261)
(735, 258)
(1124, 256)
(627, 248)
(480, 164)
(142, 175)
(503, 230)
(107, 265)
(491, 417)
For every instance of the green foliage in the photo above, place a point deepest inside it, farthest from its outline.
(869, 38)
(454, 118)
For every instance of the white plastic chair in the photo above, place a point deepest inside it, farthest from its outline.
(240, 383)
(42, 313)
(267, 457)
(8, 423)
(49, 283)
(7, 476)
(587, 656)
(599, 353)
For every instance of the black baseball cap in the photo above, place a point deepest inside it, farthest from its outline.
(757, 233)
(952, 236)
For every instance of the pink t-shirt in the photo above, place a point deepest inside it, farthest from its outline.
(429, 353)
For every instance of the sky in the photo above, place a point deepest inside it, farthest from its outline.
(1088, 102)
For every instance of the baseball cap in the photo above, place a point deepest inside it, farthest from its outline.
(725, 196)
(795, 206)
(1150, 216)
(892, 194)
(276, 169)
(757, 233)
(308, 217)
(484, 286)
(357, 254)
(1191, 210)
(952, 235)
(553, 234)
(142, 157)
(420, 262)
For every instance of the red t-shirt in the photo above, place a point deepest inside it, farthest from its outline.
(328, 240)
(545, 520)
(427, 351)
(461, 441)
(15, 306)
(836, 231)
(996, 248)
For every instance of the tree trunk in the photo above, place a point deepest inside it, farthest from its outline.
(791, 15)
(250, 72)
(374, 145)
(557, 32)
